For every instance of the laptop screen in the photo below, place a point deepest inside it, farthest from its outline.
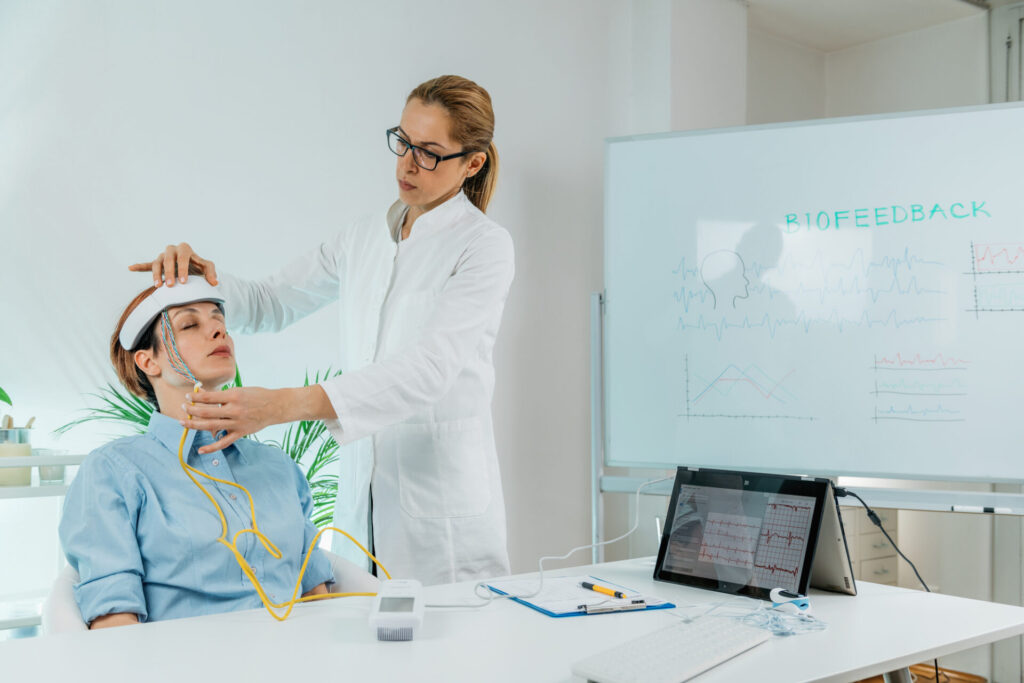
(741, 532)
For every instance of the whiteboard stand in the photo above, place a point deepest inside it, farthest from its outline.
(596, 426)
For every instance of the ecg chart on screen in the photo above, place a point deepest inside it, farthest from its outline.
(997, 277)
(920, 387)
(736, 392)
(782, 541)
(730, 540)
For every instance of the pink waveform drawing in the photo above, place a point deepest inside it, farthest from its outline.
(938, 360)
(990, 257)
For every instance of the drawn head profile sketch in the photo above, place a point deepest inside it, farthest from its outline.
(724, 274)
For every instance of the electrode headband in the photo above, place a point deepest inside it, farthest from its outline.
(195, 289)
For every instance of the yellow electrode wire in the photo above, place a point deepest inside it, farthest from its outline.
(271, 548)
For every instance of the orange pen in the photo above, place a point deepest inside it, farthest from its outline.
(602, 589)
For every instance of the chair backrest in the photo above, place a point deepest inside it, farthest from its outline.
(348, 578)
(60, 610)
(61, 615)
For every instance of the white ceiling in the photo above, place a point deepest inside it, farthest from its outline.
(830, 25)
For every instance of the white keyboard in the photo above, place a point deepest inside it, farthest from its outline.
(673, 654)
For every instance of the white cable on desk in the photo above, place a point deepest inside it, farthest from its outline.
(488, 596)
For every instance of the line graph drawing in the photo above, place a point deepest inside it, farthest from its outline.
(1001, 257)
(1005, 293)
(736, 392)
(919, 380)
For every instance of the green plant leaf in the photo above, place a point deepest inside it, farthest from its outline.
(4, 397)
(116, 405)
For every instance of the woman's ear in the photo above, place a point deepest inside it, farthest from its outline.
(145, 361)
(476, 162)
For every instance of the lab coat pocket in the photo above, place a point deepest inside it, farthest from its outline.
(442, 469)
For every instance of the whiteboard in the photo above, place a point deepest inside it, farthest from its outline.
(837, 297)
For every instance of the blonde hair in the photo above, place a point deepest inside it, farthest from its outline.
(469, 107)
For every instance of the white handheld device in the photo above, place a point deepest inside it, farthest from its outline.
(397, 611)
(788, 601)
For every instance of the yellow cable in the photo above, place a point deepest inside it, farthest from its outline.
(270, 547)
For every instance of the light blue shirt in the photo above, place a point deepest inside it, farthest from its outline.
(143, 537)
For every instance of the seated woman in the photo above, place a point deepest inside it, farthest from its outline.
(142, 536)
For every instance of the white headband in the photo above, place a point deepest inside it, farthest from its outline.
(195, 289)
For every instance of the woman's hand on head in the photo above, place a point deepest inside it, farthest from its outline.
(176, 262)
(239, 412)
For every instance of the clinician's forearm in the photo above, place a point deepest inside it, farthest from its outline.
(305, 403)
(117, 619)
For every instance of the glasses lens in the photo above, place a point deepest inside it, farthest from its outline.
(397, 144)
(425, 159)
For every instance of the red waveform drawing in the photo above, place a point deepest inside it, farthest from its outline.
(730, 540)
(938, 360)
(772, 569)
(998, 257)
(783, 540)
(794, 508)
(789, 537)
(726, 555)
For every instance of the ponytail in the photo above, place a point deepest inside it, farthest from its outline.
(480, 187)
(472, 120)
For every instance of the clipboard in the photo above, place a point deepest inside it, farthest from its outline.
(563, 596)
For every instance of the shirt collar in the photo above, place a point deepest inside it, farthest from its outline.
(430, 222)
(167, 431)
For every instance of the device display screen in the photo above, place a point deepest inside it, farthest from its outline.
(745, 537)
(396, 604)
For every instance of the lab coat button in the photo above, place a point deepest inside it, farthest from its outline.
(233, 496)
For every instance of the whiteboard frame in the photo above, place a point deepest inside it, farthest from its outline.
(600, 453)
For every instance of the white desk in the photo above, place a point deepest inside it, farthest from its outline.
(882, 629)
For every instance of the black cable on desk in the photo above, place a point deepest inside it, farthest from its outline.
(873, 516)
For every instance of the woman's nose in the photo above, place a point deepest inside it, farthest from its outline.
(407, 163)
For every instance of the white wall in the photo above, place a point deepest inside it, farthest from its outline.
(785, 81)
(940, 66)
(254, 130)
(709, 63)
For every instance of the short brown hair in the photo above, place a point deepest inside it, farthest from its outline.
(123, 360)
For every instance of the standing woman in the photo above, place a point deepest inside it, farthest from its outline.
(421, 290)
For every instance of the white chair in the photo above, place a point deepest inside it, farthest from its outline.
(60, 611)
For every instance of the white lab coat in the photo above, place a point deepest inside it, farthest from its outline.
(419, 318)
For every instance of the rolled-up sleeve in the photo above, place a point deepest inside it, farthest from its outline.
(319, 568)
(98, 534)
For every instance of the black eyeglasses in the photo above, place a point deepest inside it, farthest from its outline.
(424, 158)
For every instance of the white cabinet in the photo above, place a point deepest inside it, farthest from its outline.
(873, 556)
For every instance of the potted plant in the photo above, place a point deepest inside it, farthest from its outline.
(307, 443)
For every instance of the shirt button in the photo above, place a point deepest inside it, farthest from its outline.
(216, 462)
(233, 497)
